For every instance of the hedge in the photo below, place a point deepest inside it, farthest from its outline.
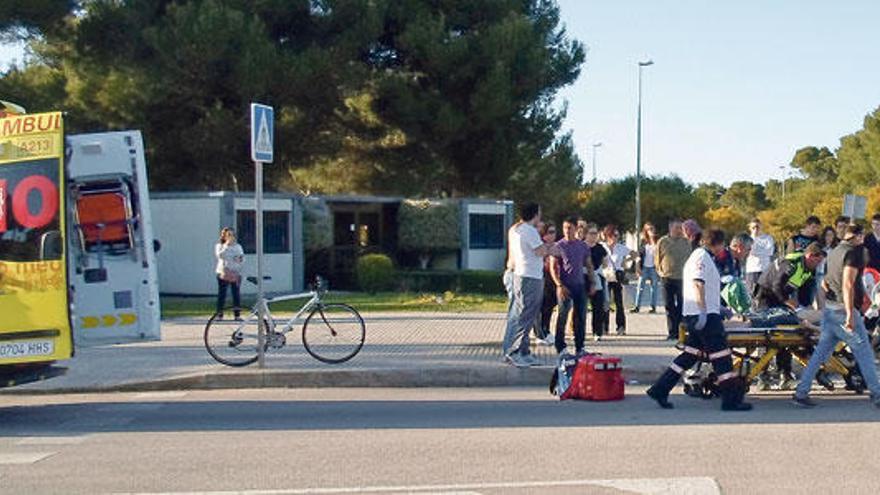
(468, 281)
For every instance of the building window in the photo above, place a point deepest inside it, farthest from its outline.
(486, 231)
(276, 231)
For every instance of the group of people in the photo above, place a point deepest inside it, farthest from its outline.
(586, 269)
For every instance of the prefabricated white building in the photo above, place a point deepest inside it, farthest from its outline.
(187, 224)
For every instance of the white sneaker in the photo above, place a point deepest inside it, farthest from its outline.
(516, 360)
(597, 338)
(531, 360)
(549, 340)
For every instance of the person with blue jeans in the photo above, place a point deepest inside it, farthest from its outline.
(842, 320)
(567, 271)
(647, 270)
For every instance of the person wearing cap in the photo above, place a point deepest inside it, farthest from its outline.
(842, 320)
(702, 316)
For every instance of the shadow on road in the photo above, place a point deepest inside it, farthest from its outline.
(265, 415)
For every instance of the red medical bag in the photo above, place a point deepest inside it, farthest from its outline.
(597, 377)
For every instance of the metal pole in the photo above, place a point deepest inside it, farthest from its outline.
(258, 199)
(593, 183)
(639, 161)
(639, 156)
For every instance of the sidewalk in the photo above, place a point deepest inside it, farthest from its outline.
(401, 350)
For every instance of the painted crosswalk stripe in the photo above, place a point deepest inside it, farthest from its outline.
(24, 458)
(73, 440)
(645, 486)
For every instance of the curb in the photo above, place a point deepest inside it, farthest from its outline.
(501, 376)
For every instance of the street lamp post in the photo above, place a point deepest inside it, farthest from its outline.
(785, 173)
(593, 183)
(639, 153)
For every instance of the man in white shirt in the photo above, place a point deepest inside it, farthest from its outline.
(701, 308)
(527, 250)
(763, 248)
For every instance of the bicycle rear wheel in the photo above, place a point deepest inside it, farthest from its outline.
(230, 342)
(333, 333)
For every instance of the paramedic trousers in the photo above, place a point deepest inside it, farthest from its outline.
(710, 339)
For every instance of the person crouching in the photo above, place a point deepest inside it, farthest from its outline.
(701, 307)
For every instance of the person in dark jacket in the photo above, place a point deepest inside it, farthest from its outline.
(788, 282)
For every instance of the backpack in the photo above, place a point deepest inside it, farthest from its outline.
(563, 375)
(736, 295)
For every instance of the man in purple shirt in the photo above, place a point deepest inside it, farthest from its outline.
(567, 271)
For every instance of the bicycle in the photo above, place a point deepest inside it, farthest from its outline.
(332, 333)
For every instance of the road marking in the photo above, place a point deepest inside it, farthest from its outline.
(161, 395)
(25, 458)
(647, 486)
(51, 440)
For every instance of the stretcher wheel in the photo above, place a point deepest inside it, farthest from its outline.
(855, 382)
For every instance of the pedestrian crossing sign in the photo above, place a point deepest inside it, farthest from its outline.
(262, 132)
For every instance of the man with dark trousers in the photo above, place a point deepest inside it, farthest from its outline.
(701, 307)
(672, 251)
(788, 282)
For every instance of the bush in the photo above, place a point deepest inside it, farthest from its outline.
(317, 225)
(481, 282)
(375, 272)
(468, 281)
(428, 225)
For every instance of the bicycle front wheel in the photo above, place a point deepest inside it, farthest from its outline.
(230, 342)
(333, 333)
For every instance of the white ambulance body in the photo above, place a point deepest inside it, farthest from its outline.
(112, 260)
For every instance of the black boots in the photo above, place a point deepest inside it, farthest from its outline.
(660, 390)
(661, 398)
(732, 394)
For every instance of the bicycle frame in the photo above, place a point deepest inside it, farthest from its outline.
(314, 299)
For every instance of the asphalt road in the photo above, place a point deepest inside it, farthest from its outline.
(461, 441)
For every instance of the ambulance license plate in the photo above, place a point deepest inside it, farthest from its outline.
(26, 348)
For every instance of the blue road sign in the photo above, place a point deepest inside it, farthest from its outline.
(262, 132)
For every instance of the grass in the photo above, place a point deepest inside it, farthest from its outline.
(175, 307)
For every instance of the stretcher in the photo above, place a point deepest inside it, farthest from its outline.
(754, 348)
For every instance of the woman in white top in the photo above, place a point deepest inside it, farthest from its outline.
(230, 258)
(760, 256)
(618, 253)
(647, 272)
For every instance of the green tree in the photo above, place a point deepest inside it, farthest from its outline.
(662, 198)
(817, 164)
(859, 155)
(710, 194)
(747, 198)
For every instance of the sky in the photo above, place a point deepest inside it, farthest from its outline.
(736, 86)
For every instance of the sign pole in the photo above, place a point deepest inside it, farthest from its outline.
(258, 199)
(262, 151)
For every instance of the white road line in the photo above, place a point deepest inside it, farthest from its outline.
(24, 458)
(685, 486)
(51, 440)
(161, 395)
